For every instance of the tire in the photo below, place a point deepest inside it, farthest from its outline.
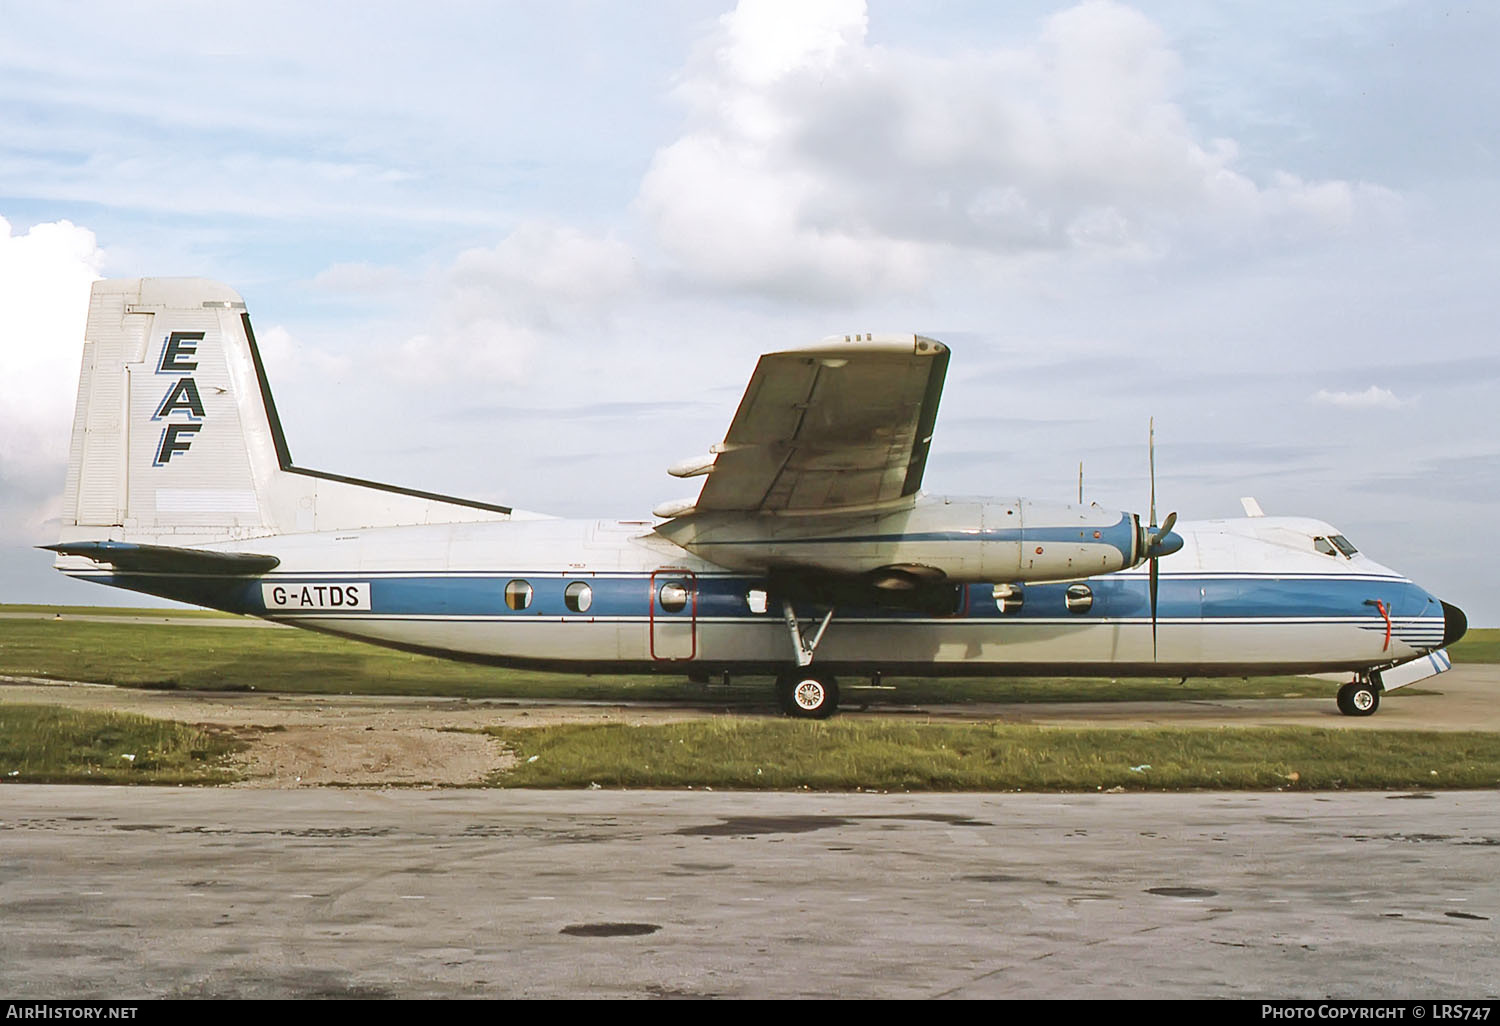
(1358, 698)
(807, 696)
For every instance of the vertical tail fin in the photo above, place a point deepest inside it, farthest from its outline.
(176, 439)
(169, 437)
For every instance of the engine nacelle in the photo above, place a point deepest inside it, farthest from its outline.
(959, 540)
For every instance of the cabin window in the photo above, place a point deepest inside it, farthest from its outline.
(673, 597)
(578, 597)
(1009, 598)
(1079, 599)
(755, 598)
(518, 594)
(1325, 546)
(1343, 545)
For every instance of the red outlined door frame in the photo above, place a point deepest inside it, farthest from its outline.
(672, 623)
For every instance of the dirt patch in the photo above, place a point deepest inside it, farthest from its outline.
(314, 756)
(343, 740)
(375, 741)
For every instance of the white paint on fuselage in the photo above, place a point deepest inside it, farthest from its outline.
(1270, 555)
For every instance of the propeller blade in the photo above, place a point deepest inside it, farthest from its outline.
(1156, 535)
(1153, 607)
(1151, 456)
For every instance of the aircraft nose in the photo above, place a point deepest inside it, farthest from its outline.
(1455, 624)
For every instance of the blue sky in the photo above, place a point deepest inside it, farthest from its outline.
(529, 252)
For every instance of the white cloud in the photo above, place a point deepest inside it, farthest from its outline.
(816, 163)
(236, 183)
(363, 279)
(500, 308)
(288, 359)
(45, 276)
(1371, 398)
(767, 39)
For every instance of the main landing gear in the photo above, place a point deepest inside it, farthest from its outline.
(1359, 698)
(806, 694)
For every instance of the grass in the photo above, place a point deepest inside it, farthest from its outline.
(53, 745)
(42, 744)
(237, 659)
(846, 755)
(1480, 645)
(156, 655)
(163, 613)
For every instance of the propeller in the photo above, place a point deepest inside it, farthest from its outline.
(1158, 541)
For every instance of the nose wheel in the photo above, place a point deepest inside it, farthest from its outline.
(807, 696)
(1359, 698)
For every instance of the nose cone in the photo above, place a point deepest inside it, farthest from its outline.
(1455, 624)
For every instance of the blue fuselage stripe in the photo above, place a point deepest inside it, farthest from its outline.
(1122, 597)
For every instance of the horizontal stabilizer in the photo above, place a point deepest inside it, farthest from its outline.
(165, 559)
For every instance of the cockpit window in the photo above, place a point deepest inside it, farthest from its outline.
(1343, 545)
(1324, 546)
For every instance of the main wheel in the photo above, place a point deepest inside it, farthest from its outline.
(1358, 698)
(807, 696)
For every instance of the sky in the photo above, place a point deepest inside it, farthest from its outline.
(528, 253)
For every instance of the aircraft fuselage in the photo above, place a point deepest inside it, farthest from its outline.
(614, 596)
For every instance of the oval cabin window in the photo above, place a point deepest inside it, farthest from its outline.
(673, 597)
(578, 597)
(1080, 598)
(1009, 598)
(518, 594)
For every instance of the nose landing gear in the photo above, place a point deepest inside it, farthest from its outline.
(1360, 697)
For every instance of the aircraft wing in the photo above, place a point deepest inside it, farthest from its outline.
(841, 424)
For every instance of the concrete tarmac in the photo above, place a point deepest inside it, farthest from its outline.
(321, 892)
(158, 892)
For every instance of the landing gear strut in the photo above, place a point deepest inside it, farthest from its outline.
(801, 644)
(1359, 698)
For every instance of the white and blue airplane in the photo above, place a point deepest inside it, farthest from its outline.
(809, 553)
